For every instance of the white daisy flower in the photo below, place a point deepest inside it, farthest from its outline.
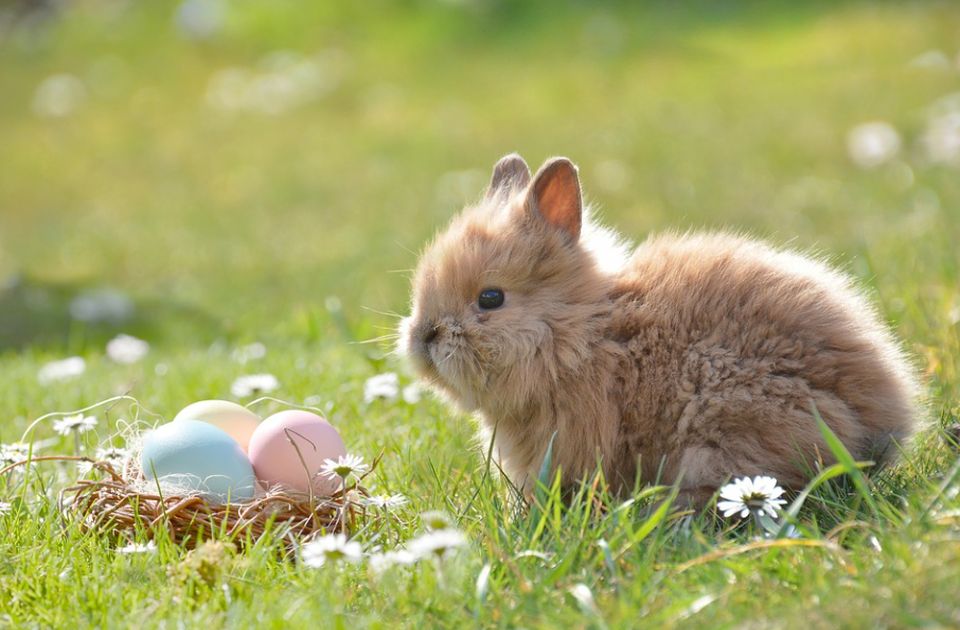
(483, 582)
(435, 520)
(412, 393)
(249, 352)
(58, 96)
(380, 562)
(759, 495)
(5, 507)
(13, 453)
(581, 592)
(333, 304)
(74, 424)
(150, 547)
(932, 59)
(386, 502)
(127, 349)
(284, 80)
(438, 544)
(200, 19)
(253, 384)
(62, 370)
(942, 137)
(873, 143)
(113, 455)
(384, 386)
(330, 548)
(343, 467)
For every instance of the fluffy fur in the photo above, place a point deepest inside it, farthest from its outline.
(694, 359)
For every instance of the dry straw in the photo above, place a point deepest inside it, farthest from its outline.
(119, 504)
(124, 504)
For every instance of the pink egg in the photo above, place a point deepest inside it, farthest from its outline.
(274, 448)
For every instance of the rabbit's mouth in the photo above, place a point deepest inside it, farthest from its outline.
(418, 345)
(440, 354)
(445, 373)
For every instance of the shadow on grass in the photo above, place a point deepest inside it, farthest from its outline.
(77, 315)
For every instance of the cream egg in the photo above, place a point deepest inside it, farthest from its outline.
(235, 420)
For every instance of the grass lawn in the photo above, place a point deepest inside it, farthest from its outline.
(268, 175)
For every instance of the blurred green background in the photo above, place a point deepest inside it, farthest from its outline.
(227, 171)
(244, 185)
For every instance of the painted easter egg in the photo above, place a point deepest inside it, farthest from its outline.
(195, 456)
(237, 421)
(288, 448)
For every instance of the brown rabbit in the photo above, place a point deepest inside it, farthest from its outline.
(696, 358)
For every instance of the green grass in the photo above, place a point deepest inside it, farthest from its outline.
(225, 228)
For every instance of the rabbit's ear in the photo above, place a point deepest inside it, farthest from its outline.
(555, 195)
(509, 172)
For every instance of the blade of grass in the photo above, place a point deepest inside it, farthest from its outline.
(652, 522)
(547, 464)
(790, 515)
(843, 457)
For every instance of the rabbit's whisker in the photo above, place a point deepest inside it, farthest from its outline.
(384, 313)
(374, 340)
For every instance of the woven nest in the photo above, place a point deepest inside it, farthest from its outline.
(118, 503)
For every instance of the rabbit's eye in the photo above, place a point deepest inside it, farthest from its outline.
(490, 299)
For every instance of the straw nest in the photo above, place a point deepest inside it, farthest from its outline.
(122, 504)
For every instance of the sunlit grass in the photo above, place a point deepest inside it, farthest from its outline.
(298, 229)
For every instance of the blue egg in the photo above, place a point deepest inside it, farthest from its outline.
(198, 457)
